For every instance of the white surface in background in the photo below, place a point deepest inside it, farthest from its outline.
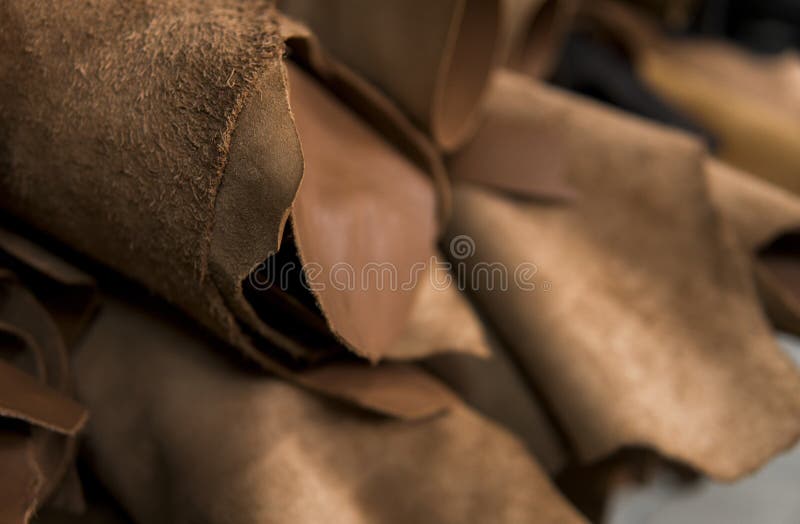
(771, 496)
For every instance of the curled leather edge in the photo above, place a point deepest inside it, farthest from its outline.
(372, 105)
(234, 254)
(397, 390)
(233, 257)
(472, 52)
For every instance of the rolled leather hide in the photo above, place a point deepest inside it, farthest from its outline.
(184, 179)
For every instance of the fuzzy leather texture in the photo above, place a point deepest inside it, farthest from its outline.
(115, 124)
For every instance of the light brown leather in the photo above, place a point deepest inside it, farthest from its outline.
(365, 219)
(514, 150)
(433, 59)
(166, 406)
(372, 105)
(442, 320)
(645, 328)
(751, 104)
(498, 389)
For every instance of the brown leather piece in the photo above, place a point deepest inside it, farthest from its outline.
(38, 451)
(22, 397)
(451, 47)
(649, 332)
(373, 128)
(514, 150)
(758, 211)
(749, 103)
(370, 213)
(499, 390)
(399, 390)
(141, 136)
(442, 320)
(21, 480)
(371, 104)
(259, 446)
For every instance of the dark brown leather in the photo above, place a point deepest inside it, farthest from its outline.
(68, 293)
(138, 113)
(38, 450)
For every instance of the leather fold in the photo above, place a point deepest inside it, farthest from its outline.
(363, 219)
(766, 219)
(516, 150)
(643, 326)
